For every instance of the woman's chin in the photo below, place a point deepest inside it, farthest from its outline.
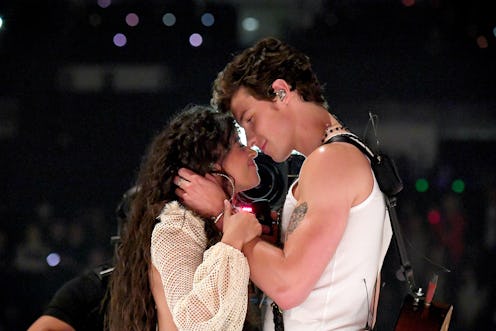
(255, 184)
(249, 187)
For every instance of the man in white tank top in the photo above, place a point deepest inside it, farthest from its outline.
(335, 225)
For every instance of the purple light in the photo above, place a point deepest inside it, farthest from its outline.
(53, 259)
(120, 40)
(195, 40)
(132, 19)
(104, 3)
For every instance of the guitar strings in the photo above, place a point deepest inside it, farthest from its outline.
(426, 258)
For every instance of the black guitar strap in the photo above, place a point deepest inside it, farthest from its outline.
(390, 184)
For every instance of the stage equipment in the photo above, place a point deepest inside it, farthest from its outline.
(275, 179)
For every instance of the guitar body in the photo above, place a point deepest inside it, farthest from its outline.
(418, 317)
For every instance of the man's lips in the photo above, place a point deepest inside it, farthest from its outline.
(263, 146)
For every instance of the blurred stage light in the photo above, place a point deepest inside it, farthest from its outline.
(122, 78)
(169, 19)
(132, 19)
(482, 42)
(434, 216)
(458, 186)
(53, 259)
(408, 3)
(207, 19)
(120, 40)
(422, 185)
(104, 3)
(1, 22)
(195, 39)
(250, 24)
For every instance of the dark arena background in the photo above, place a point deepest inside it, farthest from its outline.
(84, 84)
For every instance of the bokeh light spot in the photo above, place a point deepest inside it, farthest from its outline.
(1, 22)
(195, 40)
(169, 19)
(421, 185)
(482, 42)
(104, 3)
(132, 19)
(250, 24)
(53, 259)
(120, 40)
(458, 186)
(207, 19)
(434, 217)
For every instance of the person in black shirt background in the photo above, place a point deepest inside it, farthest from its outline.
(80, 303)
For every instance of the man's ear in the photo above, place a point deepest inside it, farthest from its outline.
(281, 89)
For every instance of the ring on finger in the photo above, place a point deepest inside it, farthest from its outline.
(181, 180)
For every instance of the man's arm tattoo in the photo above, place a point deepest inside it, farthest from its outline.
(296, 217)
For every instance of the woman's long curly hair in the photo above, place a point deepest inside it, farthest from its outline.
(195, 138)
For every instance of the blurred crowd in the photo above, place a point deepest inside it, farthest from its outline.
(39, 254)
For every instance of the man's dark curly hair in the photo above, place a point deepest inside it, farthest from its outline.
(257, 67)
(195, 138)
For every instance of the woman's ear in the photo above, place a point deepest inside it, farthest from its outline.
(215, 167)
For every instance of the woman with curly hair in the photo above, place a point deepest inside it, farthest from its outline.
(177, 269)
(335, 226)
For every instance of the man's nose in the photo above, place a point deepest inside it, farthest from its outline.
(250, 139)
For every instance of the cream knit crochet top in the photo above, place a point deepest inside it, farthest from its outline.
(205, 290)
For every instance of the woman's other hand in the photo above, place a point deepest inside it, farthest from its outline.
(239, 228)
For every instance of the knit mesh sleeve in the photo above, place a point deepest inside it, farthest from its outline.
(205, 290)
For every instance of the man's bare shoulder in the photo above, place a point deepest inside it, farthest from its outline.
(337, 156)
(335, 170)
